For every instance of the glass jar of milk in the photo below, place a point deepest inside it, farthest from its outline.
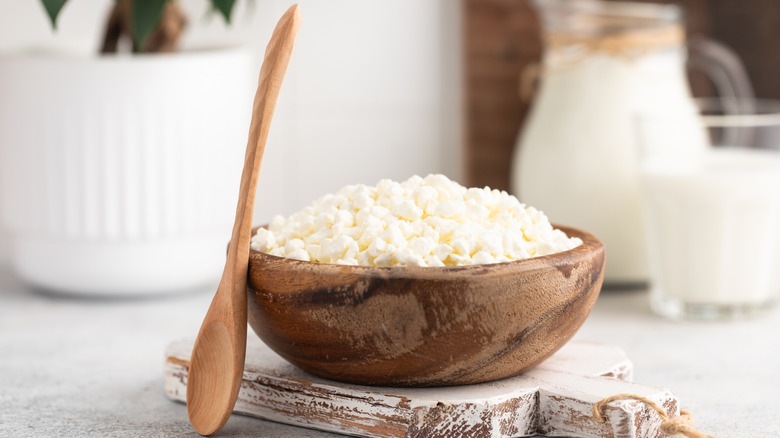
(605, 64)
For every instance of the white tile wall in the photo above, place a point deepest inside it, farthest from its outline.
(373, 90)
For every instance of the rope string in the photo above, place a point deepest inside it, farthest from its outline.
(621, 44)
(670, 426)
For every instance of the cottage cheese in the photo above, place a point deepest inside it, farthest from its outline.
(429, 221)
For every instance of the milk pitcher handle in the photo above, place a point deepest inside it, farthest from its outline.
(725, 70)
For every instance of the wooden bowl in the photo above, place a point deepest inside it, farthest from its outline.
(423, 326)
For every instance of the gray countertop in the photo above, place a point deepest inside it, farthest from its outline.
(93, 367)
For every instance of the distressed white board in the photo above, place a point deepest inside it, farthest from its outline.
(554, 399)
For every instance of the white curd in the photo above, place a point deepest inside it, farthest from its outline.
(429, 221)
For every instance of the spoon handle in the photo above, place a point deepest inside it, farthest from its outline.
(277, 57)
(217, 362)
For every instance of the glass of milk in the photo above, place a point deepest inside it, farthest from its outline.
(713, 219)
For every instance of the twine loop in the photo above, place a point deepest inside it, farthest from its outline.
(626, 44)
(670, 426)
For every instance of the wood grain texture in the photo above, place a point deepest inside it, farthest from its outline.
(553, 399)
(423, 326)
(218, 353)
(502, 37)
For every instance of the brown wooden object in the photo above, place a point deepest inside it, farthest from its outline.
(752, 30)
(218, 355)
(423, 326)
(556, 398)
(502, 37)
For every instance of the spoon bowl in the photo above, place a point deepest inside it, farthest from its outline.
(423, 326)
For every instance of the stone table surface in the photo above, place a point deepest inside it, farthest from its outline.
(93, 367)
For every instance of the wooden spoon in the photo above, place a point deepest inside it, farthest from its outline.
(217, 362)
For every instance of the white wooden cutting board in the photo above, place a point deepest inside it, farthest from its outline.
(554, 399)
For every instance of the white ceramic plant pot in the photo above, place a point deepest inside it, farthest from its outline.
(120, 174)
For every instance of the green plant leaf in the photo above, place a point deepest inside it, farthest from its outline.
(53, 8)
(145, 16)
(225, 7)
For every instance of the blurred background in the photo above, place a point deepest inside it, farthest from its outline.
(503, 37)
(373, 91)
(386, 89)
